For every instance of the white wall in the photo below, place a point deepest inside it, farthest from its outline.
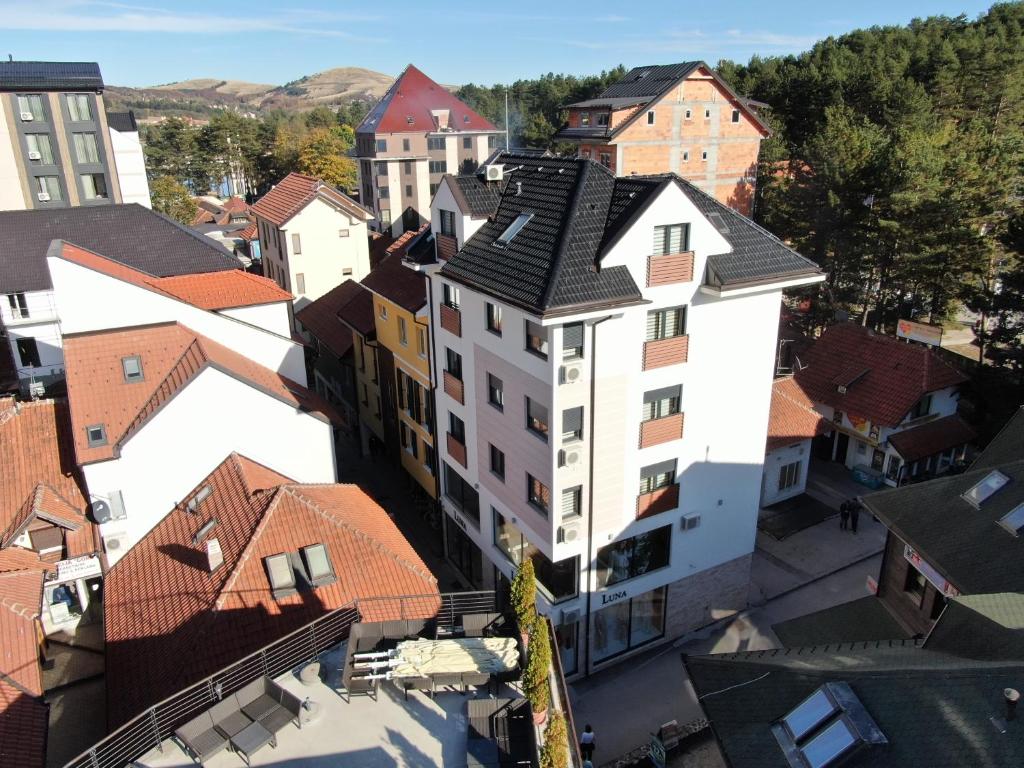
(197, 429)
(41, 324)
(774, 461)
(130, 163)
(275, 318)
(325, 255)
(465, 226)
(11, 195)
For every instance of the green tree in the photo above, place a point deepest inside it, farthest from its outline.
(322, 154)
(172, 199)
(171, 149)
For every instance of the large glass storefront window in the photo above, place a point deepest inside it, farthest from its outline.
(633, 557)
(623, 626)
(558, 581)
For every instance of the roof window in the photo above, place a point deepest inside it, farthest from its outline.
(199, 498)
(281, 575)
(979, 493)
(718, 222)
(96, 435)
(318, 565)
(204, 530)
(132, 368)
(642, 75)
(513, 229)
(1013, 521)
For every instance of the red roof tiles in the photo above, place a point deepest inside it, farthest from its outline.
(934, 437)
(792, 417)
(884, 377)
(24, 721)
(23, 715)
(396, 282)
(294, 192)
(320, 317)
(169, 621)
(409, 106)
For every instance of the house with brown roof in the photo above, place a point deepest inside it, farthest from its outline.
(891, 404)
(312, 237)
(244, 558)
(792, 425)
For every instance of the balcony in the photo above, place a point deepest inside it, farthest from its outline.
(451, 319)
(669, 269)
(663, 430)
(657, 501)
(453, 388)
(456, 449)
(446, 246)
(662, 352)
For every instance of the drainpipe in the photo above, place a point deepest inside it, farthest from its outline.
(433, 409)
(590, 491)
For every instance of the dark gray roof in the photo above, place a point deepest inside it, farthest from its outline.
(130, 234)
(476, 195)
(933, 708)
(965, 544)
(1006, 446)
(592, 132)
(124, 122)
(625, 101)
(50, 76)
(648, 82)
(981, 627)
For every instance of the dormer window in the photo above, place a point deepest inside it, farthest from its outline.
(132, 368)
(96, 435)
(513, 229)
(602, 119)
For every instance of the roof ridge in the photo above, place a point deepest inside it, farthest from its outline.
(246, 553)
(566, 233)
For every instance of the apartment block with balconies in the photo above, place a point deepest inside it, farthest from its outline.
(602, 349)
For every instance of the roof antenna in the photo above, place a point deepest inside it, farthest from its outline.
(10, 57)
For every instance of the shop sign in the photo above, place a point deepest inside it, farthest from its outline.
(612, 597)
(929, 572)
(461, 523)
(78, 568)
(926, 334)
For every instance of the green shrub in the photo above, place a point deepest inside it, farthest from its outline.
(523, 594)
(554, 754)
(538, 661)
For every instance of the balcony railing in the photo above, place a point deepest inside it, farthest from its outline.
(451, 319)
(658, 500)
(663, 430)
(662, 352)
(456, 449)
(453, 387)
(669, 269)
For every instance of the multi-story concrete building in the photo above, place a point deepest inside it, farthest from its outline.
(412, 137)
(676, 118)
(575, 333)
(59, 146)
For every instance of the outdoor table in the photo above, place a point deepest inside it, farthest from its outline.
(250, 739)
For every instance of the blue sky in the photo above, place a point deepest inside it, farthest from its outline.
(462, 41)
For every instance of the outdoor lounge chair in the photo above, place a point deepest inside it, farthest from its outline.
(201, 738)
(447, 680)
(476, 679)
(256, 699)
(423, 684)
(481, 624)
(228, 718)
(288, 711)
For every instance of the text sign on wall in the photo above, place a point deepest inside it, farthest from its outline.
(937, 580)
(926, 334)
(78, 568)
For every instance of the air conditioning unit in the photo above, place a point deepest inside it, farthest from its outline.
(494, 172)
(36, 389)
(690, 521)
(570, 616)
(33, 155)
(569, 532)
(26, 117)
(569, 457)
(43, 197)
(570, 374)
(114, 542)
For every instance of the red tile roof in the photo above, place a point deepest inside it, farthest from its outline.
(172, 356)
(47, 505)
(21, 594)
(792, 417)
(358, 312)
(320, 317)
(250, 233)
(410, 102)
(294, 192)
(169, 621)
(396, 282)
(207, 290)
(235, 205)
(24, 722)
(884, 377)
(931, 438)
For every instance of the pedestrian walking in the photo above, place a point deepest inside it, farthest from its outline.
(854, 514)
(844, 516)
(587, 742)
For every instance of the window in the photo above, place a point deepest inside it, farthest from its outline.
(433, 189)
(407, 166)
(915, 584)
(384, 193)
(538, 494)
(602, 120)
(19, 307)
(557, 581)
(381, 145)
(584, 119)
(403, 332)
(438, 166)
(406, 146)
(435, 142)
(494, 318)
(1013, 521)
(382, 310)
(39, 144)
(132, 368)
(495, 392)
(735, 115)
(461, 494)
(28, 351)
(659, 403)
(513, 229)
(408, 439)
(537, 418)
(467, 143)
(296, 243)
(922, 407)
(450, 295)
(421, 341)
(429, 458)
(318, 565)
(688, 115)
(497, 463)
(606, 159)
(820, 729)
(453, 363)
(31, 104)
(78, 107)
(585, 154)
(629, 558)
(572, 424)
(94, 186)
(96, 435)
(707, 114)
(655, 476)
(492, 142)
(572, 341)
(666, 323)
(629, 624)
(49, 188)
(536, 339)
(686, 155)
(86, 150)
(385, 217)
(572, 502)
(447, 222)
(300, 282)
(789, 475)
(281, 575)
(381, 169)
(704, 156)
(979, 493)
(456, 427)
(650, 117)
(671, 238)
(346, 271)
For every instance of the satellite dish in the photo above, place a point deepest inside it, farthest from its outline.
(101, 511)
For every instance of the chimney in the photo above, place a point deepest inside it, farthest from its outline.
(214, 556)
(1012, 696)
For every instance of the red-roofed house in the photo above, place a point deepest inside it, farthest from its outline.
(415, 134)
(312, 237)
(891, 403)
(290, 552)
(792, 425)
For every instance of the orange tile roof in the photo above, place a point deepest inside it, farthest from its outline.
(24, 722)
(320, 317)
(792, 417)
(294, 192)
(172, 355)
(45, 504)
(20, 600)
(169, 621)
(251, 232)
(207, 290)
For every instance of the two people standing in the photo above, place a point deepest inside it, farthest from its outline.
(849, 514)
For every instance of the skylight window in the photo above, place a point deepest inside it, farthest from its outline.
(132, 368)
(513, 229)
(829, 744)
(718, 222)
(978, 494)
(809, 714)
(318, 565)
(96, 435)
(281, 575)
(1013, 521)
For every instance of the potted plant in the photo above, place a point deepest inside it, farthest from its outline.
(555, 752)
(523, 595)
(535, 678)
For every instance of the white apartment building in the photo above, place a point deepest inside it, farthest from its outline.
(603, 352)
(312, 237)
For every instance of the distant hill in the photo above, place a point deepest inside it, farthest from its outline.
(199, 96)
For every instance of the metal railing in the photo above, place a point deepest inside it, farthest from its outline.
(560, 697)
(148, 730)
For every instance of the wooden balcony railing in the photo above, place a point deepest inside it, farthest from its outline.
(446, 246)
(669, 269)
(451, 320)
(456, 449)
(663, 430)
(660, 500)
(662, 352)
(453, 387)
